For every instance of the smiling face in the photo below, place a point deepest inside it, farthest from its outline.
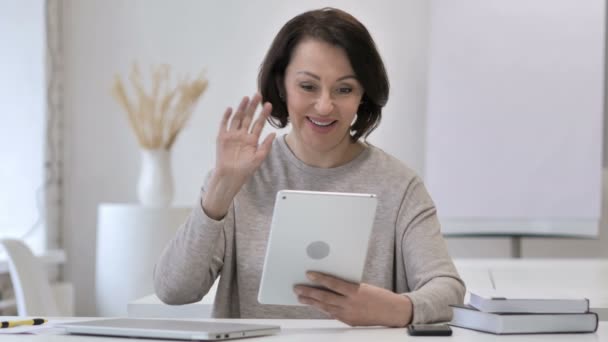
(322, 94)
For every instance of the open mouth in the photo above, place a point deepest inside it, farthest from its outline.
(322, 123)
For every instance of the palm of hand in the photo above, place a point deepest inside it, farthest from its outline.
(238, 155)
(238, 152)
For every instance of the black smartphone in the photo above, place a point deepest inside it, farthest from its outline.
(429, 330)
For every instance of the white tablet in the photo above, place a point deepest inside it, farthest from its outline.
(315, 231)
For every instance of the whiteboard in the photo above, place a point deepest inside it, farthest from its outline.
(515, 116)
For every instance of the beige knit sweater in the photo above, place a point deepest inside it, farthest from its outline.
(407, 253)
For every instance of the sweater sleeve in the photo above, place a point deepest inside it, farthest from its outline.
(430, 273)
(193, 259)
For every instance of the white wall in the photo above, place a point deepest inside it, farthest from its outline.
(229, 38)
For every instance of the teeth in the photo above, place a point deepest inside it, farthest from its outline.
(321, 123)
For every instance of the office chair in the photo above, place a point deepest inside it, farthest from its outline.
(33, 292)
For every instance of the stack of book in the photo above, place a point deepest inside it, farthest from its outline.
(496, 313)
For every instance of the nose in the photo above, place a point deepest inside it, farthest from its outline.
(325, 104)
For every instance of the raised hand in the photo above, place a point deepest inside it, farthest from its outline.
(238, 154)
(356, 304)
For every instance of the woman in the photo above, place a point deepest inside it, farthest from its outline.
(324, 76)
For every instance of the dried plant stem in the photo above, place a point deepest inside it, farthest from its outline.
(157, 117)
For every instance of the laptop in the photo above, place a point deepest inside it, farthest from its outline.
(168, 329)
(326, 232)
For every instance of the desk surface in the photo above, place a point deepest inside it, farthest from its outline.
(330, 330)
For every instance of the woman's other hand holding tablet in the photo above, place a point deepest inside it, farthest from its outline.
(356, 304)
(238, 154)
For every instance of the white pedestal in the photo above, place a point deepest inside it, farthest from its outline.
(152, 307)
(130, 239)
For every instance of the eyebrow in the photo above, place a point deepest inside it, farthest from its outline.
(319, 78)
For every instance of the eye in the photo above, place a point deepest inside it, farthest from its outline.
(345, 90)
(307, 86)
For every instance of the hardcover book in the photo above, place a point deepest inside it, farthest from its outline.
(466, 316)
(503, 302)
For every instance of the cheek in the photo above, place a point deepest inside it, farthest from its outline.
(351, 110)
(297, 105)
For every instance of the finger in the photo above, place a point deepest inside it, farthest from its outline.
(329, 309)
(320, 295)
(259, 123)
(265, 147)
(250, 111)
(335, 284)
(225, 119)
(238, 115)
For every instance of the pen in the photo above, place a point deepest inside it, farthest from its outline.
(34, 321)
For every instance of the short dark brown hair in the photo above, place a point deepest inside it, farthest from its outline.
(340, 29)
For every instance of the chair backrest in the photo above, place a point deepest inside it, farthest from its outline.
(29, 277)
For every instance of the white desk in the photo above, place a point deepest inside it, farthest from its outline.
(330, 330)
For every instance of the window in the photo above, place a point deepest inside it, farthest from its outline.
(23, 120)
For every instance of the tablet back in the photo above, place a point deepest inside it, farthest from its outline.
(315, 231)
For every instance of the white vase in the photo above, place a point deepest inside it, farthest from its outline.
(155, 186)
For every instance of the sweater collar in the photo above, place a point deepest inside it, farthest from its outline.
(291, 157)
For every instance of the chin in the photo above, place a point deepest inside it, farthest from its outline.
(325, 143)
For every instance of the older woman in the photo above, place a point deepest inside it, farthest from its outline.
(324, 77)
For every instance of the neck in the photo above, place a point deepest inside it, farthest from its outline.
(338, 155)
